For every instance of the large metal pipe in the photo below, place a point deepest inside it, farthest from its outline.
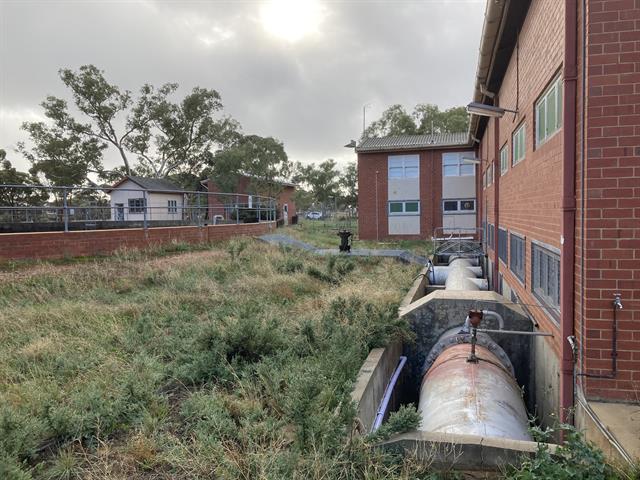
(462, 277)
(462, 397)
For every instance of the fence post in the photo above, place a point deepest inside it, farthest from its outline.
(144, 217)
(237, 210)
(65, 209)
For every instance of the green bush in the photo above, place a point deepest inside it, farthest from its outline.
(575, 458)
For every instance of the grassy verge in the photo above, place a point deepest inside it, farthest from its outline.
(231, 362)
(324, 234)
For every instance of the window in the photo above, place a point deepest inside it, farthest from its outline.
(504, 160)
(502, 245)
(136, 205)
(490, 175)
(172, 206)
(404, 166)
(454, 166)
(545, 276)
(518, 145)
(491, 236)
(549, 112)
(465, 205)
(516, 258)
(484, 231)
(409, 207)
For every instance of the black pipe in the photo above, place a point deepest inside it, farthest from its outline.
(614, 345)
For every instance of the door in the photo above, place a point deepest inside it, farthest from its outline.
(119, 212)
(285, 213)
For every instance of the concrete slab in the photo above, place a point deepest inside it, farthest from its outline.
(402, 255)
(463, 452)
(623, 422)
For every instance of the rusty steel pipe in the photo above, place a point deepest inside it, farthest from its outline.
(462, 397)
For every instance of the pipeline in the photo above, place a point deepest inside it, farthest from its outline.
(471, 394)
(461, 276)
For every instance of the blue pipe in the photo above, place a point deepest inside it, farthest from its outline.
(384, 404)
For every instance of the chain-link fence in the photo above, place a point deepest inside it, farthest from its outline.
(32, 208)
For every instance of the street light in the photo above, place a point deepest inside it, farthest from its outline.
(487, 110)
(474, 161)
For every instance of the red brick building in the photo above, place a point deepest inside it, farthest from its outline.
(412, 186)
(223, 204)
(560, 202)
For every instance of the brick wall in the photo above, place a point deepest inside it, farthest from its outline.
(430, 193)
(612, 203)
(529, 192)
(607, 256)
(50, 245)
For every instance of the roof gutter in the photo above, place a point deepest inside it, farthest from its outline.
(491, 33)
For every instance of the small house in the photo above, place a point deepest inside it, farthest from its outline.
(134, 197)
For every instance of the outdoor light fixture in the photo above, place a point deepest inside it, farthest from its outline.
(351, 144)
(487, 110)
(474, 161)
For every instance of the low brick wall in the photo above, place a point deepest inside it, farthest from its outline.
(50, 245)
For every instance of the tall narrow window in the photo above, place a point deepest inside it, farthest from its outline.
(545, 276)
(504, 160)
(502, 244)
(549, 112)
(518, 142)
(516, 256)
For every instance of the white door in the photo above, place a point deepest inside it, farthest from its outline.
(119, 212)
(285, 213)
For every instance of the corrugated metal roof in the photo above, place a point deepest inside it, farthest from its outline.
(150, 184)
(414, 142)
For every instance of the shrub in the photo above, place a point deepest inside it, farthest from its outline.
(575, 458)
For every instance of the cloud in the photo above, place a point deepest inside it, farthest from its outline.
(307, 91)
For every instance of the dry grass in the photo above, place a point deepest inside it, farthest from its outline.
(231, 362)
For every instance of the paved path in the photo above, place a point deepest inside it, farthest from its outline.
(402, 255)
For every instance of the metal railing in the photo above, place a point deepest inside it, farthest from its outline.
(44, 208)
(464, 242)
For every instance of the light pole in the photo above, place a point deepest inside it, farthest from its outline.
(364, 116)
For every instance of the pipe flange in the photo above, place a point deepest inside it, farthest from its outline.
(483, 340)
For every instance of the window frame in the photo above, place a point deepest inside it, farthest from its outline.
(491, 236)
(172, 206)
(503, 253)
(137, 209)
(538, 291)
(515, 144)
(404, 211)
(459, 210)
(458, 165)
(504, 159)
(517, 266)
(555, 87)
(406, 162)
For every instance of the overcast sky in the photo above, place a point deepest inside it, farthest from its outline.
(300, 71)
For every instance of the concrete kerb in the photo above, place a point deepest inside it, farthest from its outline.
(463, 452)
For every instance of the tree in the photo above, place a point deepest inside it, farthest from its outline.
(322, 181)
(170, 138)
(426, 118)
(165, 137)
(349, 184)
(262, 159)
(62, 154)
(17, 197)
(394, 121)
